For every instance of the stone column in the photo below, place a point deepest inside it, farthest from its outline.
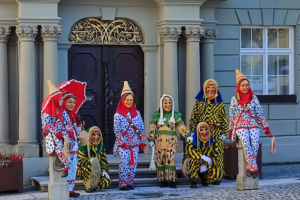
(192, 86)
(27, 142)
(243, 182)
(170, 37)
(207, 53)
(4, 105)
(50, 35)
(150, 94)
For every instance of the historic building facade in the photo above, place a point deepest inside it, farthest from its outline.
(159, 46)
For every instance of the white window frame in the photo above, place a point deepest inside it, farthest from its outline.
(265, 51)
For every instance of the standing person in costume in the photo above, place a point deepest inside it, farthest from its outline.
(209, 108)
(198, 154)
(245, 115)
(56, 136)
(163, 136)
(130, 135)
(72, 123)
(92, 162)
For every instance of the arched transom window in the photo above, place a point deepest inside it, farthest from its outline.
(95, 31)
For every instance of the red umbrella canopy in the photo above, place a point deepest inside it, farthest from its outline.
(77, 88)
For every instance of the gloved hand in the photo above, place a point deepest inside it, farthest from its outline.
(203, 168)
(59, 135)
(206, 158)
(268, 132)
(223, 137)
(71, 134)
(151, 144)
(189, 139)
(45, 132)
(192, 134)
(105, 174)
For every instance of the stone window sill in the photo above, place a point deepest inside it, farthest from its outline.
(277, 99)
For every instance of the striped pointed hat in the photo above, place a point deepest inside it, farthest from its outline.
(126, 89)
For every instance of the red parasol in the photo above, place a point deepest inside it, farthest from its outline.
(77, 88)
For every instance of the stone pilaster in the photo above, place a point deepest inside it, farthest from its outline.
(193, 35)
(170, 35)
(4, 105)
(50, 35)
(207, 53)
(27, 142)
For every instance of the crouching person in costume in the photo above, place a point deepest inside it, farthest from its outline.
(56, 136)
(130, 135)
(197, 161)
(245, 115)
(163, 136)
(209, 108)
(92, 162)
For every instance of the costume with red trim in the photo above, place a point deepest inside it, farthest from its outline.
(246, 114)
(130, 136)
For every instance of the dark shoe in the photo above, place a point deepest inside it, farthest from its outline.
(216, 183)
(130, 187)
(255, 175)
(90, 190)
(64, 173)
(203, 179)
(74, 194)
(193, 185)
(172, 185)
(163, 184)
(124, 188)
(248, 173)
(94, 189)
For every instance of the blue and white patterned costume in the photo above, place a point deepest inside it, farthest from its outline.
(244, 120)
(125, 134)
(73, 152)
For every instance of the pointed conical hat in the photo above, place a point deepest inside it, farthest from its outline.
(53, 91)
(239, 76)
(126, 89)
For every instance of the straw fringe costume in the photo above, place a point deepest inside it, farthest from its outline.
(213, 112)
(245, 114)
(163, 134)
(130, 136)
(85, 154)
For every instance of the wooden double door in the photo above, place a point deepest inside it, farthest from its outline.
(105, 68)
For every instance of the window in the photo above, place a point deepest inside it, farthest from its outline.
(267, 59)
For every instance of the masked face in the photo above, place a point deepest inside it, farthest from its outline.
(167, 104)
(244, 86)
(95, 137)
(128, 101)
(61, 100)
(70, 104)
(204, 132)
(210, 91)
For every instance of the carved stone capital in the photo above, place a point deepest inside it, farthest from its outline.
(210, 33)
(194, 33)
(26, 33)
(51, 32)
(170, 34)
(4, 33)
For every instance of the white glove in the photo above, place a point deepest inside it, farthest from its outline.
(192, 134)
(203, 168)
(206, 158)
(189, 139)
(223, 137)
(151, 144)
(105, 174)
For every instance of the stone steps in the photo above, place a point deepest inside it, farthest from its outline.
(41, 183)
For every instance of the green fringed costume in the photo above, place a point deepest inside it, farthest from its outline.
(165, 139)
(213, 112)
(84, 163)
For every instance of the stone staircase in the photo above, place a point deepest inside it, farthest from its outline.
(143, 178)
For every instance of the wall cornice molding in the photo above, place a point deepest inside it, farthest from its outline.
(38, 20)
(150, 48)
(112, 2)
(38, 1)
(180, 22)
